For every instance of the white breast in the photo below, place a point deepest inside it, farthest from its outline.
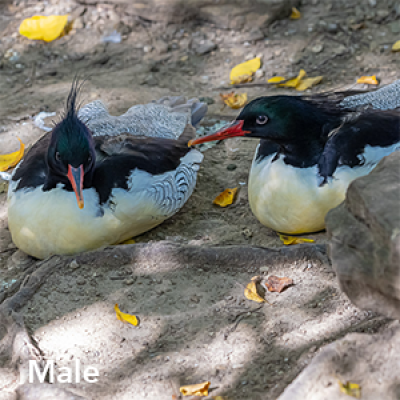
(46, 223)
(289, 200)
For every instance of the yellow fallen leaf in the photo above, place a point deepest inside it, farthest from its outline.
(288, 240)
(10, 160)
(244, 72)
(296, 14)
(308, 82)
(250, 292)
(276, 79)
(129, 241)
(369, 80)
(131, 319)
(43, 28)
(225, 198)
(295, 81)
(351, 389)
(234, 100)
(396, 46)
(199, 389)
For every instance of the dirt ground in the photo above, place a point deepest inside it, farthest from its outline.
(196, 324)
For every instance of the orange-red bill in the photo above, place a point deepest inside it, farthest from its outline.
(75, 176)
(232, 130)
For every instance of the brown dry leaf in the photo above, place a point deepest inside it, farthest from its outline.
(288, 240)
(199, 389)
(356, 27)
(296, 14)
(251, 292)
(234, 100)
(396, 46)
(276, 284)
(131, 319)
(226, 198)
(308, 83)
(369, 80)
(351, 389)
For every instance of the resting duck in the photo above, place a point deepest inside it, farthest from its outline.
(310, 150)
(97, 180)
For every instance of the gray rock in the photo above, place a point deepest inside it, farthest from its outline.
(368, 360)
(79, 23)
(254, 35)
(317, 48)
(161, 46)
(206, 47)
(395, 26)
(365, 239)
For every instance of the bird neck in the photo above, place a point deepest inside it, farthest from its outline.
(302, 154)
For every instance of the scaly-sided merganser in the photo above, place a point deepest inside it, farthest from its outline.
(97, 180)
(311, 148)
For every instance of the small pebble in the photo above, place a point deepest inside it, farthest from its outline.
(80, 280)
(317, 48)
(74, 265)
(231, 167)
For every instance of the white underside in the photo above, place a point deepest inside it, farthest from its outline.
(47, 223)
(289, 200)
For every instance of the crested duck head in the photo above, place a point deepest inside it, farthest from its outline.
(298, 126)
(71, 155)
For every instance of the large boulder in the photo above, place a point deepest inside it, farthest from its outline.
(364, 233)
(261, 12)
(371, 361)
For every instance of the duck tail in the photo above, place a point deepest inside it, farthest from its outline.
(197, 109)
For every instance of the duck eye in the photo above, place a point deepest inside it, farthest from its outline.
(58, 157)
(262, 119)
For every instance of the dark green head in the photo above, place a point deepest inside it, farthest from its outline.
(71, 156)
(281, 119)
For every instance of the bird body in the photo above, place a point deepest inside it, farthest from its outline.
(136, 181)
(289, 199)
(311, 149)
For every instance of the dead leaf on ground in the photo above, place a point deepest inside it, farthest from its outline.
(294, 82)
(308, 83)
(226, 198)
(369, 80)
(396, 46)
(198, 389)
(276, 79)
(277, 284)
(234, 100)
(288, 240)
(356, 27)
(351, 389)
(131, 319)
(296, 14)
(47, 28)
(251, 291)
(10, 160)
(299, 83)
(244, 72)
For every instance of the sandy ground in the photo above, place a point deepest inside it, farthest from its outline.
(196, 325)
